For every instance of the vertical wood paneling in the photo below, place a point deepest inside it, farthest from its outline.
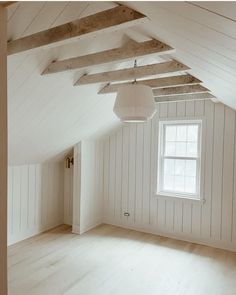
(118, 174)
(187, 206)
(163, 113)
(3, 150)
(139, 174)
(106, 177)
(16, 191)
(89, 198)
(125, 171)
(153, 202)
(31, 197)
(76, 189)
(170, 205)
(68, 195)
(212, 222)
(59, 191)
(98, 188)
(24, 195)
(10, 201)
(199, 110)
(112, 176)
(45, 180)
(28, 200)
(218, 158)
(38, 194)
(146, 168)
(228, 170)
(233, 224)
(132, 169)
(50, 201)
(208, 165)
(179, 205)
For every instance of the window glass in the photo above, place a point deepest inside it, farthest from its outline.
(179, 158)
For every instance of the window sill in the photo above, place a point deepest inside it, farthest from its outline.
(180, 198)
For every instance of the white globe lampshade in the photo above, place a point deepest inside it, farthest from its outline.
(134, 103)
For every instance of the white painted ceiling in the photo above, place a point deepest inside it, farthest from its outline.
(48, 115)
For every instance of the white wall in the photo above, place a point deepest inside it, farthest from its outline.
(91, 185)
(35, 199)
(129, 176)
(68, 195)
(88, 185)
(76, 189)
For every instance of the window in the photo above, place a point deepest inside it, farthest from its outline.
(179, 161)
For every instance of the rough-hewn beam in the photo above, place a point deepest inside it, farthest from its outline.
(176, 98)
(108, 20)
(7, 3)
(155, 83)
(134, 73)
(3, 151)
(179, 90)
(129, 50)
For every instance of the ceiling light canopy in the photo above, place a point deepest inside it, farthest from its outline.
(134, 103)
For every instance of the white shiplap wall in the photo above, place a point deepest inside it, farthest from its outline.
(91, 185)
(35, 199)
(87, 185)
(68, 195)
(129, 179)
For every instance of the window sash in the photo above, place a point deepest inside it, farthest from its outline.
(163, 139)
(162, 157)
(197, 177)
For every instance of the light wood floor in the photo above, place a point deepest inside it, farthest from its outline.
(111, 260)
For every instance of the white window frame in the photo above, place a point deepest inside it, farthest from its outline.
(198, 196)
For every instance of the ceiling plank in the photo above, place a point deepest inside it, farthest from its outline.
(155, 83)
(181, 90)
(133, 73)
(129, 50)
(176, 98)
(108, 20)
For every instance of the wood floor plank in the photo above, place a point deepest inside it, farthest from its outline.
(113, 260)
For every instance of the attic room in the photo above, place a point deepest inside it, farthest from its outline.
(117, 147)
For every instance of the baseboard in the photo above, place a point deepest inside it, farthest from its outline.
(76, 229)
(87, 228)
(17, 238)
(209, 243)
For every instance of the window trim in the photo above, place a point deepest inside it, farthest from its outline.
(201, 151)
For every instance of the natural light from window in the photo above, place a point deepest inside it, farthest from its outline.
(179, 158)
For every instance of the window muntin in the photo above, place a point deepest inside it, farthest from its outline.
(179, 158)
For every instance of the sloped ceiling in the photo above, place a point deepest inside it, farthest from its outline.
(48, 115)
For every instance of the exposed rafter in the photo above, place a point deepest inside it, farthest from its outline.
(7, 3)
(196, 96)
(133, 73)
(108, 20)
(130, 50)
(155, 83)
(181, 90)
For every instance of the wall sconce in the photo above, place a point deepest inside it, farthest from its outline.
(69, 162)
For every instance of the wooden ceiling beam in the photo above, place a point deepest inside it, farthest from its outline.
(130, 50)
(155, 83)
(189, 97)
(108, 20)
(179, 90)
(133, 73)
(7, 3)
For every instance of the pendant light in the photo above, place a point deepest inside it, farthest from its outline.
(134, 103)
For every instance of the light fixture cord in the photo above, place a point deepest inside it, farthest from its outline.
(135, 66)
